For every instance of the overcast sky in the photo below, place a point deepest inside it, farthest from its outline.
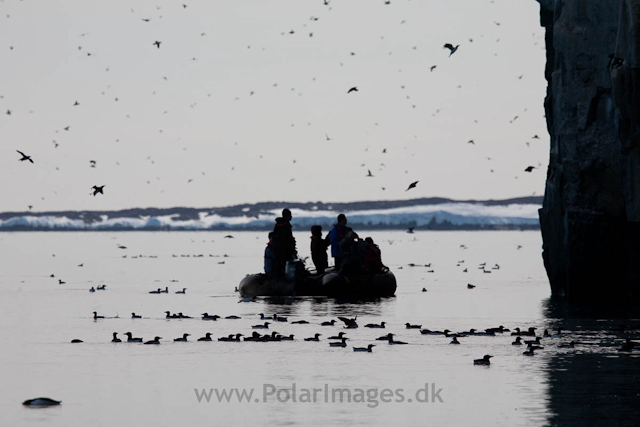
(246, 101)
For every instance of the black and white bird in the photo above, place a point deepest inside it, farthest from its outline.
(412, 185)
(183, 339)
(155, 341)
(41, 401)
(130, 337)
(484, 361)
(24, 157)
(97, 190)
(349, 323)
(367, 349)
(451, 48)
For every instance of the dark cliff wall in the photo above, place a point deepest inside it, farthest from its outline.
(590, 219)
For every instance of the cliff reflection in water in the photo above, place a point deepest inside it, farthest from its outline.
(593, 383)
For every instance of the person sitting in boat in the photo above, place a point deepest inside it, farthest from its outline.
(269, 258)
(353, 249)
(336, 235)
(372, 257)
(319, 249)
(284, 244)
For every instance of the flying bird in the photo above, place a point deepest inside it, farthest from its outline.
(433, 67)
(412, 185)
(529, 168)
(157, 43)
(97, 189)
(353, 89)
(24, 157)
(451, 48)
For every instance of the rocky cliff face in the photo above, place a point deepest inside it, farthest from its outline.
(590, 219)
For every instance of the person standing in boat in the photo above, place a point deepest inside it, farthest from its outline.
(352, 247)
(284, 244)
(269, 258)
(319, 249)
(372, 262)
(337, 233)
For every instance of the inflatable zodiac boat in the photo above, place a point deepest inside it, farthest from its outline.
(330, 284)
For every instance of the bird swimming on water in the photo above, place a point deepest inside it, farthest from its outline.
(41, 401)
(115, 338)
(328, 323)
(349, 323)
(280, 319)
(135, 316)
(156, 340)
(484, 361)
(207, 316)
(337, 337)
(387, 337)
(374, 325)
(342, 343)
(131, 339)
(207, 337)
(183, 339)
(182, 291)
(95, 316)
(314, 338)
(367, 349)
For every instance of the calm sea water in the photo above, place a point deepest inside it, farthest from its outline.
(104, 383)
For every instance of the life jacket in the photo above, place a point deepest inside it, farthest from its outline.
(372, 257)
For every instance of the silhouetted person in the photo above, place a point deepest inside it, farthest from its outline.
(353, 251)
(372, 262)
(337, 233)
(319, 249)
(283, 243)
(269, 258)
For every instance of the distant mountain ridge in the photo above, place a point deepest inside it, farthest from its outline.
(420, 214)
(248, 209)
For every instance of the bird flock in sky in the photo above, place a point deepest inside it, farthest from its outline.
(157, 44)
